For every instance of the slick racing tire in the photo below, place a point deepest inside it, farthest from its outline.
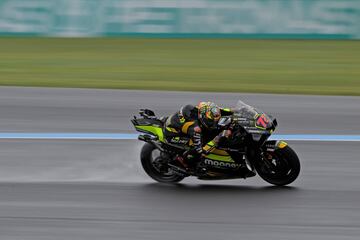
(155, 166)
(280, 167)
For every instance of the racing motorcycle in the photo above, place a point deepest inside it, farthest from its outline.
(246, 153)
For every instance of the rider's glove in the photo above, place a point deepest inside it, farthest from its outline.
(226, 133)
(222, 135)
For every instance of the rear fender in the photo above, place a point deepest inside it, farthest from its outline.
(149, 126)
(153, 130)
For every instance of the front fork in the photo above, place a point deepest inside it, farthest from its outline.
(267, 154)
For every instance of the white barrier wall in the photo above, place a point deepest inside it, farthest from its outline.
(182, 18)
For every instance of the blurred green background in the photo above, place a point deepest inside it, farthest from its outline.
(268, 66)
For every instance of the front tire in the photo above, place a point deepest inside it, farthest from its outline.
(280, 167)
(151, 163)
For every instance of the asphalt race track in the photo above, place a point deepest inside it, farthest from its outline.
(96, 189)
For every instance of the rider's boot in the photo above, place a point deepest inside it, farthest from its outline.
(194, 165)
(182, 162)
(188, 163)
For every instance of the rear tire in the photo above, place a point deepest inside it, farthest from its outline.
(147, 162)
(284, 172)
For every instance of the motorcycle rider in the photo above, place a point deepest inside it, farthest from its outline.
(200, 124)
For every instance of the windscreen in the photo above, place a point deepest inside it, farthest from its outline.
(261, 120)
(244, 110)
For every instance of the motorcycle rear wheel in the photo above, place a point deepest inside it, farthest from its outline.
(281, 169)
(151, 163)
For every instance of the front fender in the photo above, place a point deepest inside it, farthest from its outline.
(273, 145)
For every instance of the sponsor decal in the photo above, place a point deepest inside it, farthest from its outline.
(220, 164)
(179, 140)
(262, 121)
(255, 131)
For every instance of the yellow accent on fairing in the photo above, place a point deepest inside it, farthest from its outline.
(220, 152)
(186, 126)
(217, 154)
(216, 151)
(282, 144)
(226, 109)
(157, 131)
(219, 158)
(206, 147)
(210, 143)
(170, 129)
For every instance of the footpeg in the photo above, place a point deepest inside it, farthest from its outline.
(202, 171)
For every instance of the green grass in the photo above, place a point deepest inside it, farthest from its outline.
(269, 66)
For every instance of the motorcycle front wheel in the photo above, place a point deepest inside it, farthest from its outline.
(155, 166)
(280, 167)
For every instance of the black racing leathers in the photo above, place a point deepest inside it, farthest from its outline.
(185, 124)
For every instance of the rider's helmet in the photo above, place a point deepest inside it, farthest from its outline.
(209, 114)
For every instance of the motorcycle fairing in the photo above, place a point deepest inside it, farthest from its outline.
(217, 154)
